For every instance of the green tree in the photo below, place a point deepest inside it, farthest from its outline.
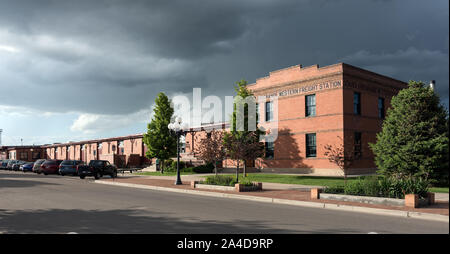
(242, 142)
(414, 138)
(160, 142)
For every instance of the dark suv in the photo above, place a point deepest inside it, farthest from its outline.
(97, 168)
(69, 167)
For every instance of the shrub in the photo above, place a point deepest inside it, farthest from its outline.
(204, 169)
(399, 187)
(337, 189)
(247, 182)
(168, 165)
(385, 187)
(187, 170)
(172, 165)
(220, 180)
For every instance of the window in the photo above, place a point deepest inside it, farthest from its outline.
(95, 152)
(310, 102)
(269, 111)
(358, 152)
(257, 113)
(381, 109)
(311, 145)
(23, 156)
(357, 103)
(270, 150)
(36, 155)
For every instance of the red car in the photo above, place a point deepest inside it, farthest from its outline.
(50, 167)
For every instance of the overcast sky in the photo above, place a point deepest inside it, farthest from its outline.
(74, 70)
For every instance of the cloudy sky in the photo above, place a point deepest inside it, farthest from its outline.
(74, 70)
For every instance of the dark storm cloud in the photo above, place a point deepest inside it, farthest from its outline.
(113, 57)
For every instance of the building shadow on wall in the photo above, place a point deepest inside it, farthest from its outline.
(287, 155)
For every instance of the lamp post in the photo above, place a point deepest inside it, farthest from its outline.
(178, 128)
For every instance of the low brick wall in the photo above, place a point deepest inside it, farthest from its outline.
(243, 188)
(411, 200)
(364, 199)
(236, 188)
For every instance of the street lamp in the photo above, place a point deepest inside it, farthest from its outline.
(178, 127)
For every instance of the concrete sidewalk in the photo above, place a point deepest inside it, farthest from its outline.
(282, 195)
(267, 186)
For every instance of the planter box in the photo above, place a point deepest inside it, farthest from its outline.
(364, 199)
(241, 188)
(411, 200)
(237, 187)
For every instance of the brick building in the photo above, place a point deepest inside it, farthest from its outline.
(24, 153)
(330, 105)
(126, 151)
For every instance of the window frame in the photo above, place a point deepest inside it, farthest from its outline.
(269, 151)
(312, 106)
(309, 146)
(269, 113)
(357, 105)
(382, 109)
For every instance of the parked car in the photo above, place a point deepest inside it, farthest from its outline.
(50, 167)
(11, 164)
(37, 166)
(97, 168)
(27, 167)
(16, 166)
(69, 167)
(3, 164)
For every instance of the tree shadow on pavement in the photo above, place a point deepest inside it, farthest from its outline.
(58, 221)
(8, 183)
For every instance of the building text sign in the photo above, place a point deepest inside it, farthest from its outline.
(307, 89)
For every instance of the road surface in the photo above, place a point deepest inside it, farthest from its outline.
(31, 203)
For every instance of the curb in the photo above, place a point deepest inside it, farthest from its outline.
(359, 209)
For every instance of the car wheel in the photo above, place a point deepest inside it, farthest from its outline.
(114, 175)
(45, 173)
(97, 176)
(82, 177)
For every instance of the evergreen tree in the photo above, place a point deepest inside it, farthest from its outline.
(415, 137)
(160, 142)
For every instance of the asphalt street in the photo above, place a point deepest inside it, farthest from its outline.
(31, 203)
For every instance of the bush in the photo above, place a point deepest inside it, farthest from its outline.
(168, 165)
(204, 169)
(337, 189)
(172, 165)
(398, 188)
(220, 180)
(385, 187)
(247, 182)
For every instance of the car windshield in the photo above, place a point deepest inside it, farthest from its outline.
(96, 163)
(68, 163)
